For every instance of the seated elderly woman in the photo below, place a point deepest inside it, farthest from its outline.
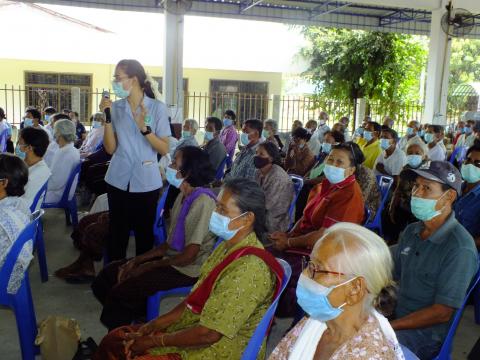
(299, 158)
(95, 135)
(337, 198)
(399, 214)
(64, 160)
(276, 184)
(344, 289)
(189, 130)
(270, 133)
(14, 215)
(53, 146)
(216, 321)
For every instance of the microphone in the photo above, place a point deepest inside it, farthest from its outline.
(108, 116)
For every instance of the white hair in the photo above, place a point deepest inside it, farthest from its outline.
(420, 143)
(66, 129)
(193, 124)
(272, 123)
(363, 254)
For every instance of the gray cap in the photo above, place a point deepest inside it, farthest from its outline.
(442, 172)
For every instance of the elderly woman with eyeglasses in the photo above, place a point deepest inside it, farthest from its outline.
(343, 290)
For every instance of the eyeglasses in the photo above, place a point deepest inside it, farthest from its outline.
(313, 270)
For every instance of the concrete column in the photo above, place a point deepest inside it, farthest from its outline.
(437, 71)
(361, 111)
(173, 66)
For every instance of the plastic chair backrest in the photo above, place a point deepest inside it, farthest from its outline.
(159, 230)
(384, 184)
(38, 200)
(255, 343)
(462, 150)
(446, 349)
(3, 140)
(221, 169)
(297, 186)
(99, 146)
(28, 233)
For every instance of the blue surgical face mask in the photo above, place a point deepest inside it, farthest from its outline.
(219, 226)
(119, 90)
(265, 134)
(421, 133)
(385, 144)
(334, 174)
(172, 179)
(367, 135)
(424, 209)
(96, 124)
(468, 130)
(313, 299)
(414, 160)
(227, 122)
(28, 122)
(410, 131)
(470, 173)
(428, 137)
(244, 139)
(360, 131)
(326, 148)
(47, 119)
(21, 154)
(208, 135)
(186, 134)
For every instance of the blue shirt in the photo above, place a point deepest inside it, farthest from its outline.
(79, 130)
(467, 211)
(437, 270)
(134, 164)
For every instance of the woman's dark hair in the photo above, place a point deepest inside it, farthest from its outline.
(337, 136)
(301, 133)
(217, 123)
(376, 126)
(474, 147)
(231, 114)
(196, 167)
(392, 132)
(437, 129)
(49, 110)
(254, 124)
(386, 301)
(35, 113)
(15, 171)
(2, 114)
(134, 68)
(249, 197)
(60, 116)
(272, 151)
(36, 138)
(354, 153)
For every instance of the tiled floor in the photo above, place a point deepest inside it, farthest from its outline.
(76, 301)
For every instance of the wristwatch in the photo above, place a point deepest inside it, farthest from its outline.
(146, 132)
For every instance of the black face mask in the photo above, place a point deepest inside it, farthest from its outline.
(260, 162)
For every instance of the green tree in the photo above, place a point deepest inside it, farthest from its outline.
(349, 64)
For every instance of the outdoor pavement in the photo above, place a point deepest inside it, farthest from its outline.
(76, 301)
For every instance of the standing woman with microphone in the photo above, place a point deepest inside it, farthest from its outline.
(136, 129)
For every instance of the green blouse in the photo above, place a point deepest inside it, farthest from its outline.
(239, 299)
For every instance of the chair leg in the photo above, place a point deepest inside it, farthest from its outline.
(42, 258)
(73, 212)
(26, 323)
(67, 217)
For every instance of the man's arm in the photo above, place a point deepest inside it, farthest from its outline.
(427, 317)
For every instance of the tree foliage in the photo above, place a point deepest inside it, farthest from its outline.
(348, 64)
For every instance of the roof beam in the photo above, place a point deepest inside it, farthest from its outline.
(250, 5)
(404, 15)
(328, 8)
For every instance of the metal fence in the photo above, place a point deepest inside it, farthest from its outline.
(199, 105)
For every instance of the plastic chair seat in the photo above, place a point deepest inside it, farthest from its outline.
(21, 303)
(69, 205)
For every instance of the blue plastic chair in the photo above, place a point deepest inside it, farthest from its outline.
(256, 341)
(446, 350)
(297, 186)
(3, 140)
(39, 243)
(159, 227)
(460, 151)
(384, 184)
(221, 169)
(153, 302)
(68, 202)
(21, 303)
(99, 146)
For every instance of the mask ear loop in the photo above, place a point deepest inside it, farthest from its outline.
(345, 282)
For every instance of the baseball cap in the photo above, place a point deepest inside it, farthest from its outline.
(442, 172)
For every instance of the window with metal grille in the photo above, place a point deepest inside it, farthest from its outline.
(249, 99)
(55, 89)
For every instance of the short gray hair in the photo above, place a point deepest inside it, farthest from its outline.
(272, 123)
(420, 143)
(66, 129)
(363, 254)
(192, 123)
(99, 116)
